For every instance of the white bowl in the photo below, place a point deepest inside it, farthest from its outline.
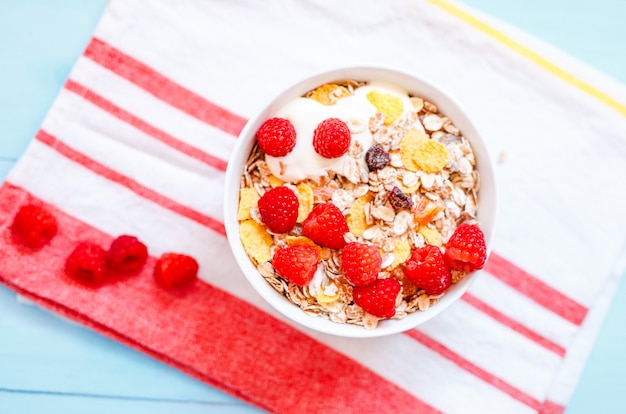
(415, 86)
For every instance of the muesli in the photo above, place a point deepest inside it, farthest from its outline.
(403, 178)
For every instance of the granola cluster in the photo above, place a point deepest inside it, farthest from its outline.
(420, 187)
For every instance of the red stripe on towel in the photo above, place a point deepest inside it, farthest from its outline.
(474, 369)
(516, 326)
(163, 88)
(201, 330)
(129, 183)
(143, 126)
(535, 289)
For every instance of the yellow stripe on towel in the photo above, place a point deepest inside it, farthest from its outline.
(529, 54)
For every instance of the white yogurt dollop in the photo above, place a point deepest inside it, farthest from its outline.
(305, 114)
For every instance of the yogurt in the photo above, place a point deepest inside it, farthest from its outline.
(305, 114)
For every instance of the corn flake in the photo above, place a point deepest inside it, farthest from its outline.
(256, 241)
(356, 219)
(275, 181)
(389, 105)
(303, 241)
(305, 199)
(248, 198)
(421, 153)
(432, 236)
(401, 253)
(329, 93)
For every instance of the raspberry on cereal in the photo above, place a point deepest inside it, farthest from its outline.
(466, 250)
(279, 209)
(428, 270)
(360, 263)
(87, 263)
(326, 226)
(127, 255)
(331, 138)
(34, 226)
(276, 137)
(378, 298)
(296, 263)
(389, 105)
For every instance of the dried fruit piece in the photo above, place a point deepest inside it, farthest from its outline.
(326, 226)
(389, 105)
(296, 263)
(378, 298)
(279, 209)
(398, 199)
(466, 250)
(328, 94)
(87, 263)
(360, 263)
(276, 137)
(377, 158)
(331, 138)
(248, 198)
(428, 270)
(426, 210)
(34, 226)
(174, 270)
(256, 241)
(127, 255)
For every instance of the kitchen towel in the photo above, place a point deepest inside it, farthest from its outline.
(138, 140)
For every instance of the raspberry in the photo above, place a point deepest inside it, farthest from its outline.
(34, 226)
(276, 137)
(399, 200)
(279, 209)
(360, 263)
(296, 263)
(326, 225)
(378, 298)
(174, 270)
(331, 138)
(127, 255)
(87, 263)
(427, 269)
(377, 158)
(466, 249)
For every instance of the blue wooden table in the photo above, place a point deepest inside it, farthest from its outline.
(52, 366)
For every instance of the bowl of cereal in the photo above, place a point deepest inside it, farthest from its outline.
(360, 202)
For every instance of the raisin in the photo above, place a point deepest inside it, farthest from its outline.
(376, 158)
(399, 200)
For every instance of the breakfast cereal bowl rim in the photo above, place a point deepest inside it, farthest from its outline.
(414, 85)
